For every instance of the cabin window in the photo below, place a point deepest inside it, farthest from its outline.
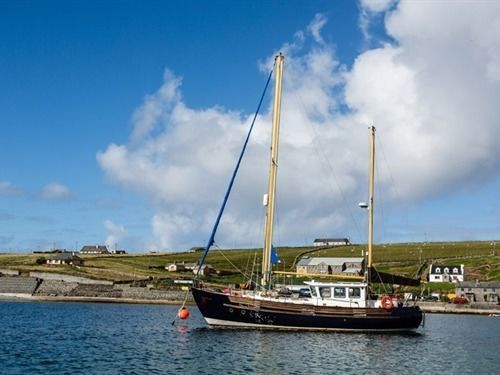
(339, 292)
(314, 293)
(355, 292)
(438, 270)
(325, 292)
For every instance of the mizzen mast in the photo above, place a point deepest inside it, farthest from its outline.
(269, 198)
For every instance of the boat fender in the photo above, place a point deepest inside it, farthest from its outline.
(387, 303)
(183, 313)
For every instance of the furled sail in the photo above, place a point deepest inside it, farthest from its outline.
(383, 277)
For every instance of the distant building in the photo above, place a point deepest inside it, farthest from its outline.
(180, 266)
(446, 274)
(331, 242)
(476, 291)
(205, 269)
(94, 249)
(197, 249)
(66, 258)
(331, 266)
(118, 252)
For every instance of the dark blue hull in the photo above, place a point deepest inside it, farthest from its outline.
(221, 309)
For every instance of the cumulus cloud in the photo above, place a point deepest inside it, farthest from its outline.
(377, 6)
(56, 191)
(431, 95)
(117, 233)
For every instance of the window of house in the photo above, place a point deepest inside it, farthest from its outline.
(438, 270)
(325, 292)
(355, 292)
(455, 270)
(339, 292)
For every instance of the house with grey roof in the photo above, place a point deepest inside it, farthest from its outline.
(94, 249)
(446, 273)
(476, 291)
(66, 258)
(331, 265)
(331, 242)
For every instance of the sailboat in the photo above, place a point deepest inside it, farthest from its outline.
(328, 306)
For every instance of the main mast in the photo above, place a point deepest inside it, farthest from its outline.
(269, 199)
(370, 204)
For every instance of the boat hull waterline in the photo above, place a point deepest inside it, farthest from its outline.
(224, 310)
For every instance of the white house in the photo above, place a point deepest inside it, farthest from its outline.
(442, 273)
(94, 249)
(331, 242)
(66, 258)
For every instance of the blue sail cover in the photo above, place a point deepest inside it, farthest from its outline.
(274, 256)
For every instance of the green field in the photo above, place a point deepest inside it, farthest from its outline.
(481, 260)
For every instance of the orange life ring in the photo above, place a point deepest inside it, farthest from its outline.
(387, 303)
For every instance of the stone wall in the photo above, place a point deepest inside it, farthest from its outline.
(18, 285)
(68, 278)
(55, 288)
(151, 294)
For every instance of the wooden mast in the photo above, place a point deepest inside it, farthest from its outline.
(273, 167)
(370, 204)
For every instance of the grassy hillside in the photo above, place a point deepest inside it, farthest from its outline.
(481, 259)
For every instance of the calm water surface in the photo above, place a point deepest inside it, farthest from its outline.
(91, 338)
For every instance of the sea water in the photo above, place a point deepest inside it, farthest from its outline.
(94, 338)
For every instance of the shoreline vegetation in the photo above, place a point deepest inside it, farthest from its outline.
(142, 278)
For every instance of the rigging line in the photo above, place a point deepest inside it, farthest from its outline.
(398, 195)
(380, 202)
(231, 263)
(229, 188)
(317, 139)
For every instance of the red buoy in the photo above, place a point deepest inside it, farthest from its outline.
(183, 313)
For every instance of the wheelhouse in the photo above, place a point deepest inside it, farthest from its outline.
(339, 293)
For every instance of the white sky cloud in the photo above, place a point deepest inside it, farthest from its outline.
(9, 189)
(117, 234)
(377, 5)
(432, 97)
(56, 191)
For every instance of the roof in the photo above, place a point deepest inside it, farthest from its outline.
(94, 248)
(66, 256)
(331, 240)
(331, 261)
(437, 269)
(479, 284)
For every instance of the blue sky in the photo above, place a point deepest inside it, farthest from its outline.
(79, 78)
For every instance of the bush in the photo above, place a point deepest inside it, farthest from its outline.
(41, 260)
